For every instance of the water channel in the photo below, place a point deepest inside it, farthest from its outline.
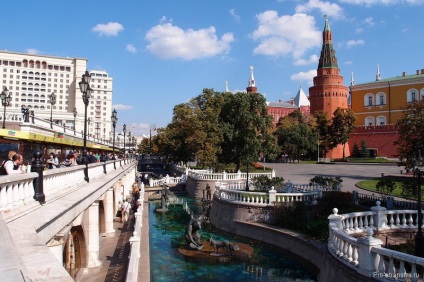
(167, 264)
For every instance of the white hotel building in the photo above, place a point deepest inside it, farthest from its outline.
(32, 78)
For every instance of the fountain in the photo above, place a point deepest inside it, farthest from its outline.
(222, 256)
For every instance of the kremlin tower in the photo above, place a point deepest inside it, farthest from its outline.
(328, 92)
(251, 88)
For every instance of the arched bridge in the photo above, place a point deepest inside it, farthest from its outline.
(150, 163)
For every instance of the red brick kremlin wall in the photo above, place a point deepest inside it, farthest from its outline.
(379, 137)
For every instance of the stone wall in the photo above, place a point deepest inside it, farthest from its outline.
(311, 254)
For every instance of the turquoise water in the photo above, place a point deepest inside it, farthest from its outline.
(167, 264)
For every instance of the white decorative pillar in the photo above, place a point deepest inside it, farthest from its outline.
(92, 235)
(272, 196)
(109, 210)
(366, 256)
(379, 216)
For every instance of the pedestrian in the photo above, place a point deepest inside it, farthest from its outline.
(52, 162)
(69, 161)
(9, 156)
(126, 207)
(12, 166)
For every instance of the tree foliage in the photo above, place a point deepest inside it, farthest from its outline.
(411, 133)
(342, 125)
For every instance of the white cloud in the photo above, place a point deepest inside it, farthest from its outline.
(122, 107)
(369, 21)
(383, 2)
(167, 41)
(285, 35)
(348, 62)
(326, 8)
(351, 43)
(234, 14)
(312, 59)
(130, 48)
(32, 51)
(109, 29)
(359, 30)
(305, 76)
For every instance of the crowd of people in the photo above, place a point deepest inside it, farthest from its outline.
(14, 163)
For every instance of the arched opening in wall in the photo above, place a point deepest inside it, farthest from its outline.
(75, 252)
(102, 219)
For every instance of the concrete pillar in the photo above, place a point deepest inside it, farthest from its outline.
(109, 210)
(272, 196)
(379, 216)
(91, 230)
(366, 257)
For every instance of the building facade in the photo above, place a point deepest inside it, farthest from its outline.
(382, 101)
(31, 79)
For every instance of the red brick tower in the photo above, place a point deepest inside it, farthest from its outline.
(251, 88)
(328, 92)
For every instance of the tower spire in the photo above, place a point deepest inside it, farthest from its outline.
(251, 88)
(226, 86)
(378, 76)
(352, 80)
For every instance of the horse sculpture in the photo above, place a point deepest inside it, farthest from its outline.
(230, 247)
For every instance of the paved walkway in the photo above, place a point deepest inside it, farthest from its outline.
(350, 173)
(114, 253)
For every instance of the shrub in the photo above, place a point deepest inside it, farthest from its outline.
(331, 183)
(263, 183)
(385, 186)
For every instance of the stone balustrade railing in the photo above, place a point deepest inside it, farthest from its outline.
(17, 191)
(135, 240)
(166, 180)
(366, 254)
(263, 198)
(226, 176)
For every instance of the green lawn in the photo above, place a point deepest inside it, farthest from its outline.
(370, 185)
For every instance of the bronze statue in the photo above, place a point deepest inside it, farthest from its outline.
(192, 234)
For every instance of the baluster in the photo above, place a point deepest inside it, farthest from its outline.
(349, 252)
(355, 223)
(361, 223)
(414, 275)
(397, 221)
(404, 220)
(366, 222)
(355, 256)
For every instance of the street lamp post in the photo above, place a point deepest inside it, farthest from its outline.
(52, 103)
(124, 130)
(97, 131)
(75, 116)
(88, 130)
(154, 128)
(419, 237)
(114, 119)
(104, 134)
(84, 85)
(5, 101)
(129, 140)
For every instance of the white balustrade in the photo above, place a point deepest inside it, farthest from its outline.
(367, 254)
(16, 190)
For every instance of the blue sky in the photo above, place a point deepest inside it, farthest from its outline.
(161, 53)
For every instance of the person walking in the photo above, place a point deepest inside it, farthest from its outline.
(126, 207)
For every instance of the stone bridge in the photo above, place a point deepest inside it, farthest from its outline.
(57, 238)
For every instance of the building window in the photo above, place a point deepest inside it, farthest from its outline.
(381, 120)
(411, 95)
(369, 121)
(368, 100)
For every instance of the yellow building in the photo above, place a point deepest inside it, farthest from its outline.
(382, 101)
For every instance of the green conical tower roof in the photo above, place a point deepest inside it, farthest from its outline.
(328, 54)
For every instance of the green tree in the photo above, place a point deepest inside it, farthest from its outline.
(322, 129)
(246, 128)
(342, 125)
(355, 151)
(364, 153)
(411, 133)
